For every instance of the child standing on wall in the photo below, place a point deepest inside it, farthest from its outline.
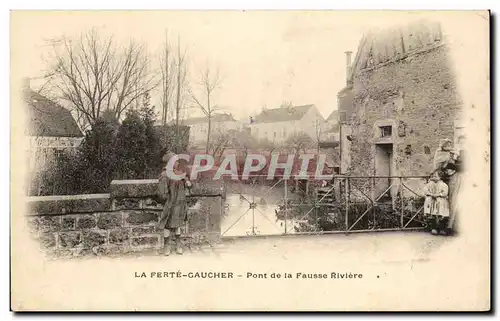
(436, 207)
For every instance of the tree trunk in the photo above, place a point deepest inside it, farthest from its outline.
(166, 83)
(178, 98)
(209, 109)
(208, 133)
(177, 133)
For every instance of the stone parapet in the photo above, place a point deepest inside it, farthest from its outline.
(122, 221)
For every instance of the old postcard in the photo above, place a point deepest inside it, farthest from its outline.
(250, 161)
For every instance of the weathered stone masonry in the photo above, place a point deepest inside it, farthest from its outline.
(418, 97)
(119, 222)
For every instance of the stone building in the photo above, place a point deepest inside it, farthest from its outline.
(331, 127)
(279, 124)
(220, 123)
(345, 108)
(404, 101)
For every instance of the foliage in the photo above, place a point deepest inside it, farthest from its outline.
(299, 142)
(87, 170)
(95, 162)
(168, 141)
(138, 148)
(220, 141)
(130, 147)
(332, 217)
(110, 150)
(208, 84)
(51, 180)
(266, 145)
(243, 140)
(93, 74)
(153, 148)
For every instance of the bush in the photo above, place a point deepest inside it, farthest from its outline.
(381, 216)
(110, 150)
(130, 148)
(89, 170)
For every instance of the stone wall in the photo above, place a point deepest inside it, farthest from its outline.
(417, 96)
(345, 147)
(116, 223)
(345, 104)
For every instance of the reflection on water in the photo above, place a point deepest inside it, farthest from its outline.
(241, 219)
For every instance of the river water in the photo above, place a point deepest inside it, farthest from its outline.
(240, 219)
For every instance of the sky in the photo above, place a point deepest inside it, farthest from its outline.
(264, 57)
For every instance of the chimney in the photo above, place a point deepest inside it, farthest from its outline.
(348, 66)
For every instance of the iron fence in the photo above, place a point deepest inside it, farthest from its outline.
(346, 204)
(205, 211)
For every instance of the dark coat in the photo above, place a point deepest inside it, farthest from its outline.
(173, 194)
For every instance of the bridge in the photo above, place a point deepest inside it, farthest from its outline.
(408, 247)
(124, 220)
(402, 267)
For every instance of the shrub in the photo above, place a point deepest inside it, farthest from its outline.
(110, 150)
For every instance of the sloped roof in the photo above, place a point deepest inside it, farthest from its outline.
(334, 116)
(47, 118)
(282, 114)
(384, 45)
(161, 128)
(202, 120)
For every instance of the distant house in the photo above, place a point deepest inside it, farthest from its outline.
(220, 123)
(51, 130)
(331, 128)
(332, 120)
(278, 124)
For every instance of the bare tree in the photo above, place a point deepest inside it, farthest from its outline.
(181, 71)
(267, 145)
(93, 74)
(243, 140)
(209, 83)
(221, 140)
(298, 142)
(167, 66)
(286, 104)
(318, 131)
(173, 80)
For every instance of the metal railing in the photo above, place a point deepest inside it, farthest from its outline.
(346, 204)
(202, 213)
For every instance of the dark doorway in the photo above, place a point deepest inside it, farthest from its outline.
(383, 167)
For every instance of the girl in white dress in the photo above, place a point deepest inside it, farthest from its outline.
(436, 207)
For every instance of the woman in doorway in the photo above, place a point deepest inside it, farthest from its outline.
(173, 192)
(455, 181)
(446, 163)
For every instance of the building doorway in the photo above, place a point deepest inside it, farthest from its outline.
(383, 167)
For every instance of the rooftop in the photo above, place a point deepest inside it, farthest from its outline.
(282, 114)
(47, 118)
(334, 116)
(202, 120)
(391, 44)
